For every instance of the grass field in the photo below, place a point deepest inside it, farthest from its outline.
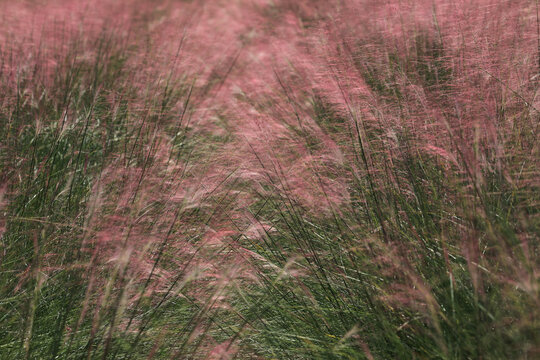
(258, 179)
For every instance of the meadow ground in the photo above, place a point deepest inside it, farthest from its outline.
(258, 179)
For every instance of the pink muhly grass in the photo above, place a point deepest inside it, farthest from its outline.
(276, 149)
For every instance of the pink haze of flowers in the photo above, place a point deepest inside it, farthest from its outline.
(254, 68)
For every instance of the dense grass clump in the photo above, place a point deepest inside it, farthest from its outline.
(269, 180)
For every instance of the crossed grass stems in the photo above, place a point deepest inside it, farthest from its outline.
(383, 276)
